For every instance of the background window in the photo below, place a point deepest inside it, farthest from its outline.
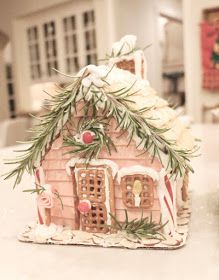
(71, 44)
(50, 47)
(10, 90)
(34, 52)
(90, 37)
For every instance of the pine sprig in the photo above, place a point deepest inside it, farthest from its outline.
(50, 126)
(89, 151)
(152, 139)
(139, 228)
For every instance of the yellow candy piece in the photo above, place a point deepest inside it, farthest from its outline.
(137, 187)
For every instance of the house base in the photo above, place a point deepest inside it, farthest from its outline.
(58, 235)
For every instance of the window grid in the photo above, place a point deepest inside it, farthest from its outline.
(34, 52)
(10, 90)
(90, 37)
(146, 194)
(91, 186)
(71, 44)
(49, 29)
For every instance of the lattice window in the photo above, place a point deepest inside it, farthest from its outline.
(95, 220)
(91, 185)
(71, 44)
(50, 47)
(34, 52)
(138, 191)
(90, 37)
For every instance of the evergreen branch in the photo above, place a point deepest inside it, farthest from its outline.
(152, 138)
(50, 126)
(101, 139)
(142, 228)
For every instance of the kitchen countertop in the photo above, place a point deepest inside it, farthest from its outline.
(199, 259)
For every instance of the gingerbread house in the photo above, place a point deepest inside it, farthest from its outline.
(109, 157)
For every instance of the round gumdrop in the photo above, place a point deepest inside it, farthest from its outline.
(87, 137)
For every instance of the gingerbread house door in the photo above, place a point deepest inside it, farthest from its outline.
(92, 186)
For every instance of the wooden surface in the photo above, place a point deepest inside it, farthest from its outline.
(198, 260)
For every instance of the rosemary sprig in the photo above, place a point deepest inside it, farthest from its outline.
(152, 139)
(120, 54)
(50, 126)
(139, 228)
(89, 151)
(112, 105)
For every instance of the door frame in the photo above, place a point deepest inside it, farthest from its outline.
(109, 191)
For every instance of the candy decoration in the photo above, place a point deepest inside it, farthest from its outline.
(84, 206)
(137, 189)
(87, 137)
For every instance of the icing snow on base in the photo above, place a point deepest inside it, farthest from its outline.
(138, 169)
(95, 162)
(42, 232)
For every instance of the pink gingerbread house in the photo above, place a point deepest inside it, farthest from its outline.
(111, 161)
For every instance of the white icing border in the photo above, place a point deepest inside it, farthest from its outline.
(137, 169)
(72, 162)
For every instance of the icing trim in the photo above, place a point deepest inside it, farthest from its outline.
(137, 169)
(72, 162)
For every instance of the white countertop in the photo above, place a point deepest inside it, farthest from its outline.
(199, 259)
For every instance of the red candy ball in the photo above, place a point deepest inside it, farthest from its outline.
(84, 206)
(87, 137)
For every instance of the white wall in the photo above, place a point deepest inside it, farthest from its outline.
(139, 17)
(172, 8)
(195, 95)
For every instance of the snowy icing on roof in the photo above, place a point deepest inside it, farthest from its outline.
(159, 115)
(124, 46)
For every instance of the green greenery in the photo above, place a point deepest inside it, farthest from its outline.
(110, 105)
(60, 107)
(140, 228)
(89, 151)
(119, 54)
(117, 105)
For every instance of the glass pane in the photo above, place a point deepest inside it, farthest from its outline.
(65, 24)
(10, 89)
(11, 105)
(87, 40)
(73, 23)
(76, 63)
(74, 41)
(85, 15)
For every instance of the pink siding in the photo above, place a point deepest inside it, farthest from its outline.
(54, 165)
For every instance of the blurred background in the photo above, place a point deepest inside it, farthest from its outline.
(36, 36)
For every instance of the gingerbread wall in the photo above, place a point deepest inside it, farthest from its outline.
(54, 165)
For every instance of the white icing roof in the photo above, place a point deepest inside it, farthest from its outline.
(160, 115)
